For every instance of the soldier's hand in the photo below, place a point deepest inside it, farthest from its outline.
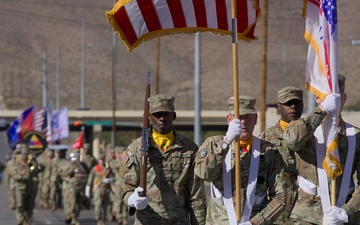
(335, 216)
(136, 201)
(245, 223)
(234, 129)
(331, 102)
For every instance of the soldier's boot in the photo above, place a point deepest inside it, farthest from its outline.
(12, 206)
(100, 222)
(67, 220)
(125, 221)
(74, 221)
(110, 216)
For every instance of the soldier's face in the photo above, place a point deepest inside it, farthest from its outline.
(162, 121)
(248, 123)
(290, 110)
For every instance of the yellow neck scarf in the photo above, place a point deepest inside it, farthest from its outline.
(283, 125)
(163, 140)
(246, 144)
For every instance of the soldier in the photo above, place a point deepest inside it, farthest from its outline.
(120, 210)
(45, 178)
(88, 158)
(261, 167)
(174, 195)
(114, 165)
(302, 137)
(55, 198)
(10, 183)
(75, 175)
(25, 190)
(290, 106)
(100, 178)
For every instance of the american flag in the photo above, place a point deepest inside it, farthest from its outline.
(136, 21)
(321, 74)
(42, 123)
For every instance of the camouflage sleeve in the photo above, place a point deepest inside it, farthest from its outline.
(276, 187)
(353, 205)
(130, 170)
(300, 131)
(197, 198)
(209, 158)
(90, 179)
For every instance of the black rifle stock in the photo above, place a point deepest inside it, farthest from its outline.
(145, 137)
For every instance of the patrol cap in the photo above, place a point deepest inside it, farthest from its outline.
(246, 105)
(86, 145)
(120, 149)
(110, 148)
(289, 93)
(161, 103)
(341, 81)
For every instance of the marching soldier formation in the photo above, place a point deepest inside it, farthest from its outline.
(282, 176)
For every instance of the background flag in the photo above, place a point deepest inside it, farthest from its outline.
(79, 142)
(60, 124)
(136, 21)
(321, 77)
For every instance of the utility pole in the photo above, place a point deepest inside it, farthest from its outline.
(44, 84)
(58, 61)
(263, 68)
(83, 46)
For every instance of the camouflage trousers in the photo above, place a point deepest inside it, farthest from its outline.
(120, 210)
(25, 202)
(12, 202)
(101, 202)
(72, 202)
(55, 195)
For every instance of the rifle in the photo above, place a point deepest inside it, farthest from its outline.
(145, 137)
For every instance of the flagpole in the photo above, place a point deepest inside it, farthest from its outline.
(236, 111)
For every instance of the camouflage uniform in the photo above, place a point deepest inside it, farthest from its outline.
(274, 136)
(88, 159)
(299, 138)
(25, 188)
(75, 175)
(55, 198)
(120, 209)
(269, 193)
(101, 190)
(44, 189)
(10, 183)
(176, 194)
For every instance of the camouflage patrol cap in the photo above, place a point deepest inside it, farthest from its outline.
(161, 103)
(110, 148)
(120, 149)
(246, 105)
(289, 93)
(341, 81)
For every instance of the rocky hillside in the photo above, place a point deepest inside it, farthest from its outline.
(27, 27)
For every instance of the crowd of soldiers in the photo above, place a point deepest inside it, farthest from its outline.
(65, 180)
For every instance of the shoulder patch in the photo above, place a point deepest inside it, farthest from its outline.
(124, 158)
(202, 153)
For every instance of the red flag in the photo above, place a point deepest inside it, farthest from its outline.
(27, 123)
(79, 142)
(136, 21)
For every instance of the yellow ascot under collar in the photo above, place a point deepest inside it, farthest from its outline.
(283, 125)
(246, 144)
(163, 140)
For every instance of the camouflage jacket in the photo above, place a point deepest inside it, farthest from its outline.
(96, 176)
(269, 180)
(89, 160)
(177, 196)
(299, 138)
(274, 136)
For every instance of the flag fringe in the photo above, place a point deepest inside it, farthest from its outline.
(315, 91)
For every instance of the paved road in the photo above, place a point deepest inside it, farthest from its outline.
(43, 216)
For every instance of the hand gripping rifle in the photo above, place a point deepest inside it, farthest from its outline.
(145, 137)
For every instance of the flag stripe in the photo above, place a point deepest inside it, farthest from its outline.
(200, 13)
(138, 20)
(149, 14)
(221, 15)
(177, 14)
(125, 25)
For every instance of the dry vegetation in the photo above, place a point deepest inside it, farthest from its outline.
(29, 26)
